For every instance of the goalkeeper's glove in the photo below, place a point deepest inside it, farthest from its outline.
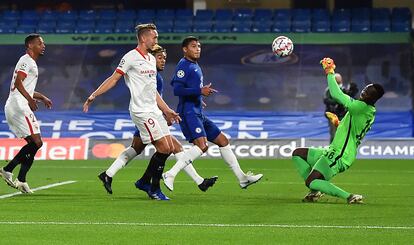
(332, 118)
(328, 65)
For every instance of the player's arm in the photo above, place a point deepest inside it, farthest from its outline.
(171, 115)
(109, 83)
(18, 84)
(181, 90)
(336, 93)
(43, 98)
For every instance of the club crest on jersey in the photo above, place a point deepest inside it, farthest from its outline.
(198, 130)
(180, 73)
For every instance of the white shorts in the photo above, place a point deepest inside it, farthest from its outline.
(151, 125)
(21, 120)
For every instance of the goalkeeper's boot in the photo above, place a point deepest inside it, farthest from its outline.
(250, 179)
(355, 199)
(158, 195)
(313, 196)
(146, 187)
(207, 183)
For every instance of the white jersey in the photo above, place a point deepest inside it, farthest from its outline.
(27, 66)
(140, 74)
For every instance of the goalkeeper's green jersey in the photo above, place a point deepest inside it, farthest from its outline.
(353, 127)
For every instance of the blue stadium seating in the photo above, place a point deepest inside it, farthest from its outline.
(69, 15)
(146, 14)
(7, 30)
(24, 30)
(84, 29)
(321, 26)
(11, 23)
(11, 15)
(243, 14)
(262, 26)
(64, 30)
(124, 29)
(165, 25)
(184, 15)
(182, 26)
(88, 15)
(30, 15)
(165, 14)
(202, 26)
(223, 15)
(126, 15)
(45, 30)
(381, 25)
(204, 14)
(28, 24)
(282, 26)
(223, 26)
(85, 24)
(103, 29)
(263, 15)
(107, 14)
(49, 15)
(242, 26)
(282, 14)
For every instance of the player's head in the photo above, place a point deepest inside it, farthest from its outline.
(160, 56)
(191, 48)
(371, 93)
(338, 78)
(34, 43)
(147, 35)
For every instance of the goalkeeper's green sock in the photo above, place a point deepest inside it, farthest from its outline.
(302, 166)
(328, 188)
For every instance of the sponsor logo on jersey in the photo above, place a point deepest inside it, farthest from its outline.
(180, 73)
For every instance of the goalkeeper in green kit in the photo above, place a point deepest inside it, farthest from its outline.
(317, 166)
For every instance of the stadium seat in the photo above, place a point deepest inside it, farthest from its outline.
(85, 24)
(224, 26)
(49, 15)
(69, 15)
(282, 14)
(7, 30)
(124, 29)
(223, 15)
(243, 14)
(144, 20)
(380, 13)
(125, 23)
(24, 30)
(321, 26)
(361, 13)
(204, 14)
(301, 26)
(202, 26)
(165, 25)
(64, 30)
(31, 15)
(184, 15)
(146, 14)
(320, 15)
(9, 24)
(27, 24)
(126, 15)
(242, 26)
(262, 26)
(401, 13)
(341, 15)
(107, 14)
(360, 25)
(11, 15)
(165, 14)
(182, 26)
(282, 25)
(45, 30)
(84, 30)
(401, 26)
(340, 25)
(401, 20)
(263, 15)
(103, 29)
(88, 15)
(380, 25)
(301, 15)
(66, 24)
(47, 24)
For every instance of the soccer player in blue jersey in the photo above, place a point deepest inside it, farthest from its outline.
(137, 146)
(196, 127)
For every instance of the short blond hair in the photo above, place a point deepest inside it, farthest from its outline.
(157, 49)
(141, 29)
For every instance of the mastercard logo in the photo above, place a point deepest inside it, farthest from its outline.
(107, 150)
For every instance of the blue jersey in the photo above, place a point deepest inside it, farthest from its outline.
(160, 82)
(187, 83)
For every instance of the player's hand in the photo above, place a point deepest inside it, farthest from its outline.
(47, 102)
(172, 117)
(333, 118)
(33, 104)
(328, 65)
(208, 90)
(88, 101)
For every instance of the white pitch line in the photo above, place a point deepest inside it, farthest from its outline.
(360, 227)
(39, 188)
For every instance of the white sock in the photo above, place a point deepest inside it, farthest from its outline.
(123, 159)
(190, 171)
(231, 160)
(184, 158)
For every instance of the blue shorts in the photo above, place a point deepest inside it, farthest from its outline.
(195, 126)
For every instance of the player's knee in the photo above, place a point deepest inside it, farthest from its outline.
(308, 181)
(300, 152)
(38, 143)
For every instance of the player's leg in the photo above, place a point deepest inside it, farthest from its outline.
(305, 159)
(121, 161)
(192, 128)
(322, 172)
(217, 137)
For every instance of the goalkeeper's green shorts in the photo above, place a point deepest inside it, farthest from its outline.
(328, 168)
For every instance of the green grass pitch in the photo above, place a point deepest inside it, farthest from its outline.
(269, 212)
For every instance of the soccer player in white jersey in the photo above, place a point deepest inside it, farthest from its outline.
(146, 105)
(21, 103)
(137, 146)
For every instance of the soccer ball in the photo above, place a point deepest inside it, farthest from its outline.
(282, 46)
